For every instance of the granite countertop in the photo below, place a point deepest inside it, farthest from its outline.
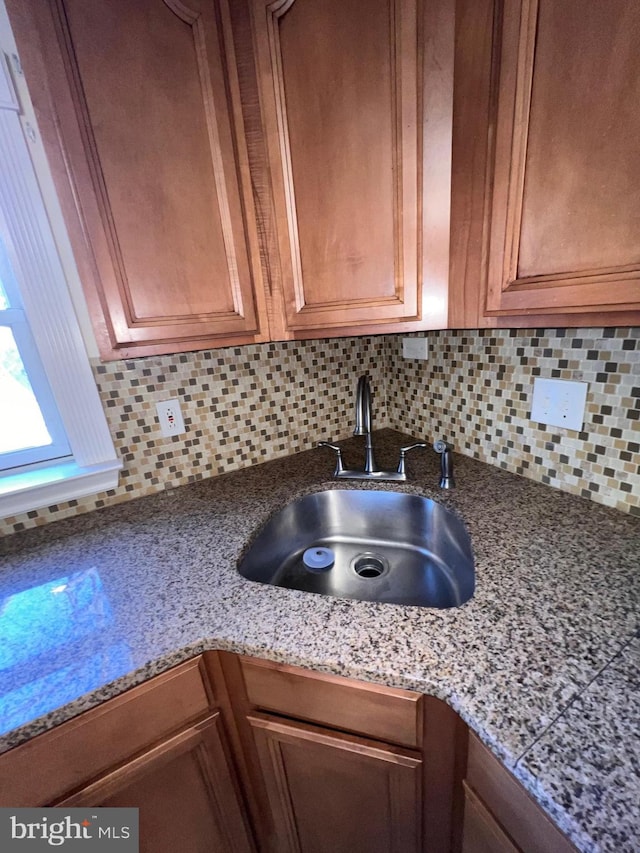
(543, 663)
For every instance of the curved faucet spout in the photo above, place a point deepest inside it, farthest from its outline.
(364, 425)
(363, 407)
(363, 421)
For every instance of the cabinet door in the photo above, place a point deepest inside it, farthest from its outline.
(139, 103)
(185, 791)
(499, 815)
(480, 832)
(565, 212)
(343, 105)
(335, 792)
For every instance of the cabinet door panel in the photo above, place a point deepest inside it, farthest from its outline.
(345, 220)
(185, 791)
(89, 745)
(505, 807)
(566, 199)
(340, 83)
(481, 833)
(330, 791)
(154, 154)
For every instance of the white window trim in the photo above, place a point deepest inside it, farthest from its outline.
(55, 484)
(37, 267)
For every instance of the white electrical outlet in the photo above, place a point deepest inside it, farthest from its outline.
(417, 348)
(170, 417)
(559, 402)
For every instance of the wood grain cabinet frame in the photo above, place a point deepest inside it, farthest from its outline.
(342, 765)
(565, 206)
(499, 815)
(330, 791)
(356, 104)
(186, 793)
(163, 747)
(481, 833)
(139, 107)
(229, 753)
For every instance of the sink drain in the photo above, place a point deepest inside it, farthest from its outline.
(318, 559)
(369, 565)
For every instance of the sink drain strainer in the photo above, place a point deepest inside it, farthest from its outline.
(318, 559)
(369, 565)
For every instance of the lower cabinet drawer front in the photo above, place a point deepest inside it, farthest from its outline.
(481, 833)
(75, 752)
(384, 713)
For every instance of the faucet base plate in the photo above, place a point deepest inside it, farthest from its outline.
(348, 474)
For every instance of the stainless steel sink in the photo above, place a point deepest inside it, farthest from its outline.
(370, 545)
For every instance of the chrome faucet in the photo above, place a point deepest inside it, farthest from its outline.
(364, 421)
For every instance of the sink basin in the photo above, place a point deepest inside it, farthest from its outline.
(370, 545)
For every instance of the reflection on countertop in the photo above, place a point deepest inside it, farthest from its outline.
(56, 644)
(530, 662)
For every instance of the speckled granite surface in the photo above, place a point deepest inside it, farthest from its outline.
(542, 662)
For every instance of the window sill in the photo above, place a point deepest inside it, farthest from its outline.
(55, 484)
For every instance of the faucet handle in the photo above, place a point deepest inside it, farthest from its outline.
(338, 451)
(403, 453)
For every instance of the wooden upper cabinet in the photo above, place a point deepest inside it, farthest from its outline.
(139, 103)
(565, 208)
(341, 93)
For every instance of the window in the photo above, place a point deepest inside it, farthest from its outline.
(54, 439)
(31, 429)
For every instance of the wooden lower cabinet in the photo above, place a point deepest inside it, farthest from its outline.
(185, 791)
(341, 765)
(481, 832)
(499, 815)
(161, 747)
(334, 792)
(232, 754)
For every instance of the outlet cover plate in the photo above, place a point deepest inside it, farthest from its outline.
(559, 402)
(170, 417)
(417, 348)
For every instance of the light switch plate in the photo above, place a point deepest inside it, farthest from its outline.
(559, 402)
(415, 348)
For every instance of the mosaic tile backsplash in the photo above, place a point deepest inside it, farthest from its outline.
(245, 405)
(476, 390)
(241, 405)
